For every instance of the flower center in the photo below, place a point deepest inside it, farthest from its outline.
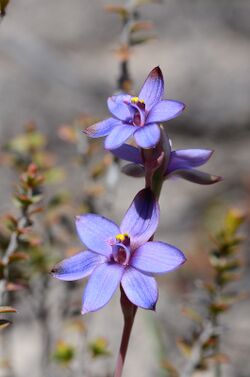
(139, 114)
(121, 249)
(138, 101)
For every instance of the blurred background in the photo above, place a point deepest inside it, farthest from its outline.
(59, 61)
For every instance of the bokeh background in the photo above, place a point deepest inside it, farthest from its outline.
(58, 64)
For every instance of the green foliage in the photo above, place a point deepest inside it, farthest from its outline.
(203, 346)
(64, 353)
(99, 347)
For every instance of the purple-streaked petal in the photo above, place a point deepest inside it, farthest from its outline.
(195, 176)
(96, 232)
(165, 110)
(157, 258)
(133, 170)
(188, 158)
(78, 266)
(140, 289)
(138, 113)
(152, 89)
(101, 286)
(103, 128)
(118, 136)
(148, 136)
(129, 153)
(119, 108)
(142, 218)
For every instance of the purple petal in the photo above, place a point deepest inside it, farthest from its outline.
(118, 136)
(129, 153)
(96, 232)
(133, 170)
(152, 89)
(101, 286)
(119, 108)
(140, 289)
(195, 176)
(148, 136)
(142, 218)
(188, 158)
(165, 110)
(157, 258)
(102, 128)
(78, 266)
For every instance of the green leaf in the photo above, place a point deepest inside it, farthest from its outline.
(64, 352)
(55, 175)
(140, 40)
(26, 142)
(99, 347)
(233, 221)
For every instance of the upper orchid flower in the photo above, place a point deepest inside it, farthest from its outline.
(182, 163)
(121, 255)
(137, 116)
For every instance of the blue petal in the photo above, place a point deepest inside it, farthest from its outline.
(195, 176)
(152, 89)
(96, 232)
(157, 258)
(140, 289)
(165, 110)
(129, 153)
(118, 136)
(101, 286)
(142, 218)
(188, 158)
(103, 128)
(148, 136)
(119, 108)
(78, 266)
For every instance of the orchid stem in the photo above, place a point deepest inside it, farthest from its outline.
(129, 312)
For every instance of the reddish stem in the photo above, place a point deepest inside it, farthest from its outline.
(129, 312)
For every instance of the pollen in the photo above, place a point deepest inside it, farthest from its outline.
(121, 237)
(137, 100)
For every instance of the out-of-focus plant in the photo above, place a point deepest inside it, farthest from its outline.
(15, 238)
(3, 7)
(99, 347)
(202, 348)
(43, 246)
(32, 146)
(90, 157)
(134, 32)
(64, 353)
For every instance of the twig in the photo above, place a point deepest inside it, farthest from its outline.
(197, 350)
(12, 247)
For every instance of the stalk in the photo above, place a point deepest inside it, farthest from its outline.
(154, 178)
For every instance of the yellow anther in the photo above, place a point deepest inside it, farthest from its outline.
(136, 100)
(121, 237)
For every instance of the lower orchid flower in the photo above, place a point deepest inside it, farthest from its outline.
(182, 163)
(122, 254)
